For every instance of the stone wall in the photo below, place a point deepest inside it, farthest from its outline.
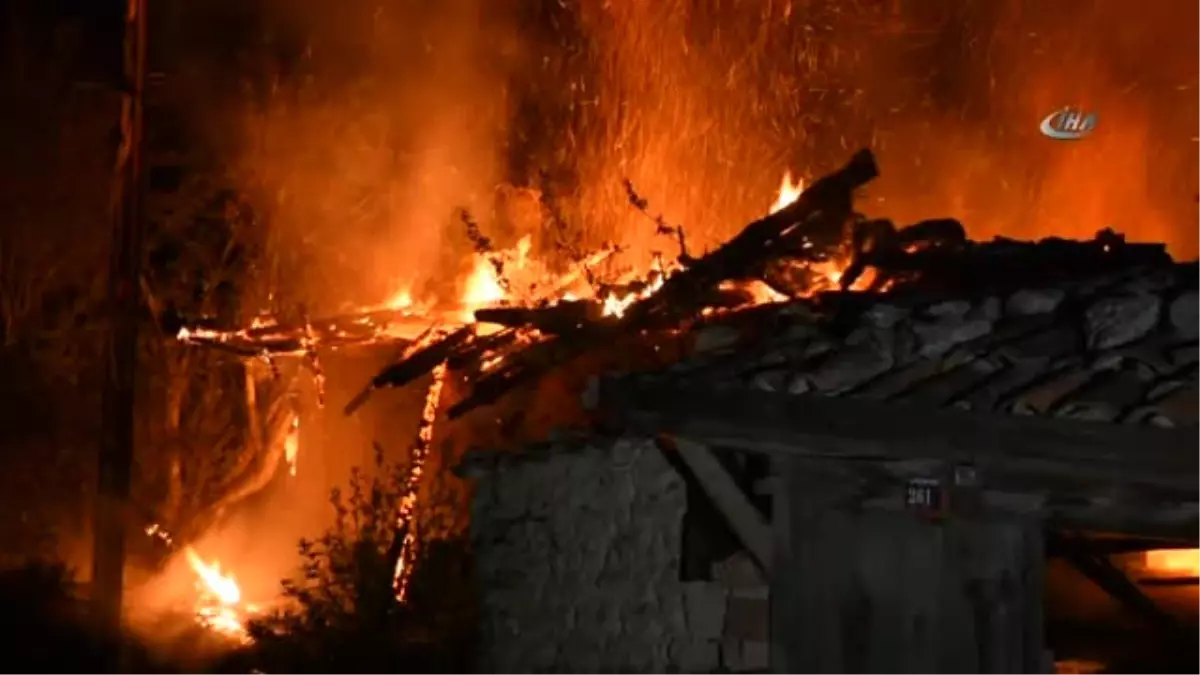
(578, 556)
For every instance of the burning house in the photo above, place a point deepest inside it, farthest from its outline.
(831, 442)
(862, 486)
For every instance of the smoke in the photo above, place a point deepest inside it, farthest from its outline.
(362, 127)
(355, 131)
(366, 126)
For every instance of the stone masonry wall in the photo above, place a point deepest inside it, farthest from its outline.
(578, 553)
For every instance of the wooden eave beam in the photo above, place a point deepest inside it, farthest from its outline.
(744, 519)
(1101, 571)
(852, 428)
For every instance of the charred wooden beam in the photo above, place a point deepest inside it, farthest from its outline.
(482, 345)
(417, 364)
(934, 255)
(423, 361)
(744, 519)
(828, 200)
(1099, 570)
(1163, 458)
(684, 294)
(1169, 581)
(1114, 545)
(516, 370)
(561, 317)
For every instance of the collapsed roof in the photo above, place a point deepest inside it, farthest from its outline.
(898, 297)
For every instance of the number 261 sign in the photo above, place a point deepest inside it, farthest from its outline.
(925, 495)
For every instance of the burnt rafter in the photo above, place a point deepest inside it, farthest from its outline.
(785, 250)
(744, 519)
(1113, 545)
(768, 421)
(1101, 571)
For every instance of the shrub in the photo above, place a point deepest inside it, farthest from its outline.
(341, 615)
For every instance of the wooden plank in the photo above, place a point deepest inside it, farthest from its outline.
(856, 428)
(1065, 502)
(782, 657)
(867, 590)
(747, 523)
(813, 586)
(1102, 572)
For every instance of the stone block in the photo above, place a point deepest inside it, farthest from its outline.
(884, 315)
(745, 656)
(748, 618)
(695, 655)
(990, 309)
(938, 337)
(704, 606)
(713, 338)
(948, 308)
(739, 572)
(573, 582)
(850, 367)
(770, 380)
(756, 656)
(1120, 319)
(1185, 315)
(1032, 301)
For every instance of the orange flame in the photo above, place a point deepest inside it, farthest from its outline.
(408, 503)
(789, 192)
(220, 586)
(291, 445)
(830, 270)
(220, 597)
(401, 299)
(615, 304)
(1173, 561)
(481, 289)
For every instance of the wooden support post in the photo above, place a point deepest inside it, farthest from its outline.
(116, 449)
(864, 588)
(746, 522)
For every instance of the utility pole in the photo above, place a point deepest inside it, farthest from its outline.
(116, 449)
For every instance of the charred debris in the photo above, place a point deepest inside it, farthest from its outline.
(928, 259)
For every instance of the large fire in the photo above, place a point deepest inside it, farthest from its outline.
(492, 279)
(502, 278)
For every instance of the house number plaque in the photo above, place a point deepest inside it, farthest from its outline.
(925, 495)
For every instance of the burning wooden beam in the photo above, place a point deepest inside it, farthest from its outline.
(818, 234)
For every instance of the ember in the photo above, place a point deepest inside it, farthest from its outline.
(408, 503)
